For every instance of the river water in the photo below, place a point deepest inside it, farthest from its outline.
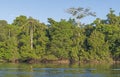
(59, 70)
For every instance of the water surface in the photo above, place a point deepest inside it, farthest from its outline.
(59, 70)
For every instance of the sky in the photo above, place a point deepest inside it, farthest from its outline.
(43, 9)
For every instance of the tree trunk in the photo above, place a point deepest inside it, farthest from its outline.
(78, 23)
(9, 33)
(31, 37)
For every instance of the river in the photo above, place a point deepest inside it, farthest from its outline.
(59, 70)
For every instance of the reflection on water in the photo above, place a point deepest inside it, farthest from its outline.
(50, 70)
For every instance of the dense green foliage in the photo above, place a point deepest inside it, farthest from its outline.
(27, 38)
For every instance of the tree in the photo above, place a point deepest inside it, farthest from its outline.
(32, 39)
(20, 20)
(30, 27)
(99, 48)
(3, 23)
(3, 32)
(66, 40)
(110, 28)
(78, 51)
(8, 46)
(80, 13)
(60, 38)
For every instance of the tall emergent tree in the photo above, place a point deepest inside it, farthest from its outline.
(30, 25)
(80, 13)
(32, 39)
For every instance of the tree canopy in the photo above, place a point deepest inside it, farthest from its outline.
(28, 39)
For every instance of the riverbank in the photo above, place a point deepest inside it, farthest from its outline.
(60, 61)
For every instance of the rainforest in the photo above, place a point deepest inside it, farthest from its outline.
(27, 40)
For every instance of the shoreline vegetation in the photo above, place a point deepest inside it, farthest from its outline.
(27, 40)
(65, 61)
